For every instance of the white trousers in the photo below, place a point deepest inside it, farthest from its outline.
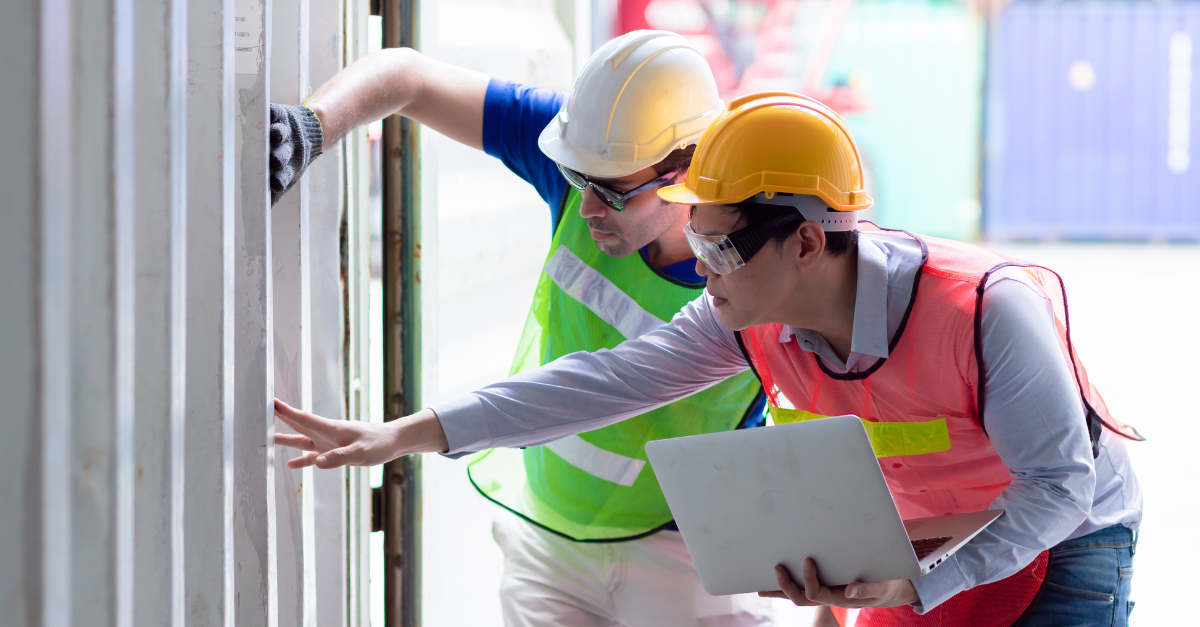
(550, 581)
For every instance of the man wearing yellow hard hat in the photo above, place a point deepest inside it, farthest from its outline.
(942, 339)
(585, 530)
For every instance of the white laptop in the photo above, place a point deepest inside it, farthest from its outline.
(747, 500)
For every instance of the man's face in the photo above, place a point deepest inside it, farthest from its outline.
(645, 218)
(757, 292)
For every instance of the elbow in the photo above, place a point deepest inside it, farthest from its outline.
(1076, 490)
(1083, 488)
(396, 57)
(400, 77)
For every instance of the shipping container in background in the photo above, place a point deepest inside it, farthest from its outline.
(917, 68)
(1092, 122)
(907, 76)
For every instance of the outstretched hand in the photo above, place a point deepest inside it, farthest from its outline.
(880, 594)
(333, 443)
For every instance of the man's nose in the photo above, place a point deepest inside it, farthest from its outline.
(592, 206)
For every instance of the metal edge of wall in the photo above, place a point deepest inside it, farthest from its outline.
(401, 348)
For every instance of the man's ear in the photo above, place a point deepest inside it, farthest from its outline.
(809, 240)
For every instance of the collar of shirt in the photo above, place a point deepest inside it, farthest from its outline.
(886, 267)
(680, 270)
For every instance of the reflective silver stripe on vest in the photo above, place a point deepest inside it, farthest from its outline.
(596, 461)
(597, 293)
(600, 295)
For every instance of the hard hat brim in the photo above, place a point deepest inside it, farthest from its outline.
(681, 195)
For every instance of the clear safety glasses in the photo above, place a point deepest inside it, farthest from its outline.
(611, 198)
(725, 253)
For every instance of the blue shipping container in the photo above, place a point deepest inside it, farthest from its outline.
(1093, 122)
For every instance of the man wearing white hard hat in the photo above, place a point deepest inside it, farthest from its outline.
(586, 533)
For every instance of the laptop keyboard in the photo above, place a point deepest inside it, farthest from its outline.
(926, 546)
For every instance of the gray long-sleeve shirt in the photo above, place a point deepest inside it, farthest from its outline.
(1033, 412)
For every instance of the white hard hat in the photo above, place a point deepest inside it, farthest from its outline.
(639, 97)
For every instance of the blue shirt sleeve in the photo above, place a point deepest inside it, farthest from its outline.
(513, 118)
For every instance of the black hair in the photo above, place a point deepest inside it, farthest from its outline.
(679, 160)
(751, 213)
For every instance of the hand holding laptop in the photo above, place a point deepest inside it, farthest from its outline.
(879, 594)
(791, 496)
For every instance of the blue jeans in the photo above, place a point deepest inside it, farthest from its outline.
(1087, 584)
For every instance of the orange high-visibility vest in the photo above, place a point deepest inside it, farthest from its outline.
(933, 372)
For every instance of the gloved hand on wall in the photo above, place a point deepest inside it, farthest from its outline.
(296, 138)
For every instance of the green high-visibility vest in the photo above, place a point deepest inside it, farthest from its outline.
(598, 486)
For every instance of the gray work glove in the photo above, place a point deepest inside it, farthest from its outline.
(296, 139)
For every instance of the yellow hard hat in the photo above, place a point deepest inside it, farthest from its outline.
(770, 143)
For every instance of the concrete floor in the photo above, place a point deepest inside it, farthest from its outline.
(1134, 322)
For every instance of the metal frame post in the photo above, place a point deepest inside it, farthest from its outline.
(401, 341)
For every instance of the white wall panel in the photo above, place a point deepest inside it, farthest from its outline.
(55, 183)
(100, 312)
(209, 474)
(160, 143)
(291, 263)
(326, 207)
(254, 451)
(152, 302)
(20, 311)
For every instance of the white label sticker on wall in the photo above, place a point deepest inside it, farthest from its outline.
(248, 36)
